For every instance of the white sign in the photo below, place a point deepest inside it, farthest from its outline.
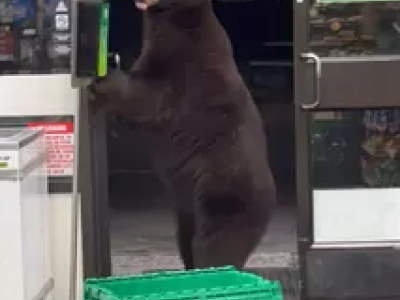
(61, 7)
(62, 22)
(62, 37)
(356, 216)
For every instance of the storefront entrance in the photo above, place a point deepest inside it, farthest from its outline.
(347, 85)
(347, 74)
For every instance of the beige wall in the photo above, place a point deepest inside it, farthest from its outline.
(60, 235)
(41, 95)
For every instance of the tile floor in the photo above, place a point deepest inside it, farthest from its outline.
(143, 240)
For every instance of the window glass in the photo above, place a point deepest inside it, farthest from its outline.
(359, 148)
(35, 36)
(348, 28)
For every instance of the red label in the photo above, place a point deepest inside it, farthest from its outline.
(54, 128)
(59, 146)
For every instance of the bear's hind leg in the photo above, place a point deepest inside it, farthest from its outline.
(185, 234)
(227, 238)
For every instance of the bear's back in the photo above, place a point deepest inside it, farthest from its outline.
(210, 115)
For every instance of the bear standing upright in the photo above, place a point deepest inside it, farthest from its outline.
(204, 132)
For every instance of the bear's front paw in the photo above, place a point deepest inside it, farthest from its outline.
(95, 97)
(105, 92)
(95, 87)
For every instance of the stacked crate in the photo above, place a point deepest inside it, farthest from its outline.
(225, 283)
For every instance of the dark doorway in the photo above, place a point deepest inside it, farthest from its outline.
(142, 230)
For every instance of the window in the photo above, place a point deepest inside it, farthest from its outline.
(356, 29)
(35, 36)
(356, 148)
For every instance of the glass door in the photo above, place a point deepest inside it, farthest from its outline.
(347, 90)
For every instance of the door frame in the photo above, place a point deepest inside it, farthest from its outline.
(378, 257)
(302, 149)
(93, 188)
(92, 159)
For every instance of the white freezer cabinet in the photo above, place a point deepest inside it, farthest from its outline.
(25, 271)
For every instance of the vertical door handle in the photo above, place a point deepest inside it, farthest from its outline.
(114, 60)
(313, 58)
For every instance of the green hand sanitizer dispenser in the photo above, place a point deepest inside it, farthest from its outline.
(90, 39)
(102, 54)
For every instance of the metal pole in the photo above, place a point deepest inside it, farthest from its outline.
(75, 206)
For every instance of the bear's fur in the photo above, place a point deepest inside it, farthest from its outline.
(204, 131)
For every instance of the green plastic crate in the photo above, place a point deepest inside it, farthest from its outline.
(225, 283)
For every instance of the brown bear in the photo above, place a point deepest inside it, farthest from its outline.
(204, 130)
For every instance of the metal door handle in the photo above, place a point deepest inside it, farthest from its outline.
(314, 58)
(115, 60)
